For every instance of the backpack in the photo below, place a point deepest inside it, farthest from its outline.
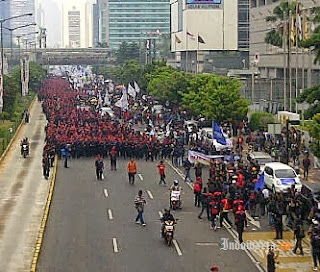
(214, 208)
(196, 188)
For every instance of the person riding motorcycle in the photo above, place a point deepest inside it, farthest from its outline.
(24, 141)
(167, 216)
(175, 187)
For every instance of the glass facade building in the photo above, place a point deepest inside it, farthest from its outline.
(134, 21)
(243, 25)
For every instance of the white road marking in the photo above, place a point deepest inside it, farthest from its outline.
(150, 194)
(110, 214)
(140, 176)
(252, 221)
(160, 214)
(175, 243)
(115, 245)
(105, 192)
(207, 244)
(235, 237)
(190, 185)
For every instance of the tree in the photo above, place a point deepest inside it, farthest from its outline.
(127, 52)
(280, 16)
(129, 72)
(310, 96)
(215, 97)
(167, 83)
(260, 120)
(314, 129)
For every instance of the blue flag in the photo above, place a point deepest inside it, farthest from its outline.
(217, 134)
(260, 183)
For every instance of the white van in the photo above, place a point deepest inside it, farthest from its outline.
(279, 177)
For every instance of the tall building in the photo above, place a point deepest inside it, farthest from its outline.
(5, 13)
(223, 26)
(275, 64)
(18, 7)
(77, 25)
(135, 21)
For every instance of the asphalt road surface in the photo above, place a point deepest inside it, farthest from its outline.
(91, 226)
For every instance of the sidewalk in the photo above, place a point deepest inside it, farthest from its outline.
(23, 194)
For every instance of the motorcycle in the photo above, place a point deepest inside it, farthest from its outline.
(25, 150)
(168, 231)
(175, 202)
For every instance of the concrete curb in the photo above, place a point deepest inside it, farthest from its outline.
(4, 154)
(44, 218)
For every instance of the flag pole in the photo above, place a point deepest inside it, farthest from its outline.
(187, 52)
(197, 68)
(289, 62)
(285, 42)
(175, 51)
(297, 56)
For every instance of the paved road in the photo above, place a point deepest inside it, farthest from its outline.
(23, 194)
(79, 235)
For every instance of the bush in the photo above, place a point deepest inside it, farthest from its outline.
(260, 120)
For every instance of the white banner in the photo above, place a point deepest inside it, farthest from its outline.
(131, 91)
(136, 87)
(201, 158)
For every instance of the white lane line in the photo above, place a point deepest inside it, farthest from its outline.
(150, 194)
(250, 255)
(160, 214)
(190, 185)
(175, 243)
(115, 245)
(140, 176)
(105, 192)
(110, 214)
(253, 221)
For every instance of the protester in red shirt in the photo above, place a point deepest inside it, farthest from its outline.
(162, 174)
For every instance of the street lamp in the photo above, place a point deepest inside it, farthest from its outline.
(13, 29)
(1, 34)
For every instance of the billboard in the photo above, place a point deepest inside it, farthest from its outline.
(204, 4)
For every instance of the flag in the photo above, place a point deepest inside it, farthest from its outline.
(123, 102)
(177, 39)
(190, 35)
(159, 32)
(200, 39)
(168, 126)
(299, 23)
(305, 27)
(106, 99)
(292, 32)
(260, 183)
(111, 87)
(217, 133)
(131, 91)
(136, 87)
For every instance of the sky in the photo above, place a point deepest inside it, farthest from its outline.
(52, 18)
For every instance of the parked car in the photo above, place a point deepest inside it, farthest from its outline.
(206, 134)
(279, 177)
(261, 157)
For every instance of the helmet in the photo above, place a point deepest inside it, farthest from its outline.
(176, 182)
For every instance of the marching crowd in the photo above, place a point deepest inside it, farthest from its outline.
(77, 131)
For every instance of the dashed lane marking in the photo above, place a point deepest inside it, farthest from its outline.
(110, 214)
(252, 221)
(105, 192)
(115, 245)
(150, 194)
(140, 176)
(176, 245)
(207, 244)
(160, 214)
(190, 185)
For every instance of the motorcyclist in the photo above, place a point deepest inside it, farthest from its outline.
(167, 216)
(24, 141)
(175, 187)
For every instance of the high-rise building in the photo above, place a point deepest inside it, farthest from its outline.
(77, 25)
(135, 21)
(5, 13)
(281, 75)
(18, 7)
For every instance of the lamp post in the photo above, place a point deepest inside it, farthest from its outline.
(1, 35)
(13, 29)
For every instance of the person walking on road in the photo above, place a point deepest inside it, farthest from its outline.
(271, 259)
(132, 170)
(240, 221)
(46, 166)
(204, 199)
(139, 202)
(99, 167)
(113, 158)
(162, 174)
(306, 165)
(187, 167)
(299, 235)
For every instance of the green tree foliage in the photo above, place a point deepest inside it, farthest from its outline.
(314, 129)
(215, 97)
(126, 52)
(129, 72)
(260, 120)
(167, 83)
(309, 96)
(280, 18)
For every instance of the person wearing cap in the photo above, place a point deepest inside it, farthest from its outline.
(272, 259)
